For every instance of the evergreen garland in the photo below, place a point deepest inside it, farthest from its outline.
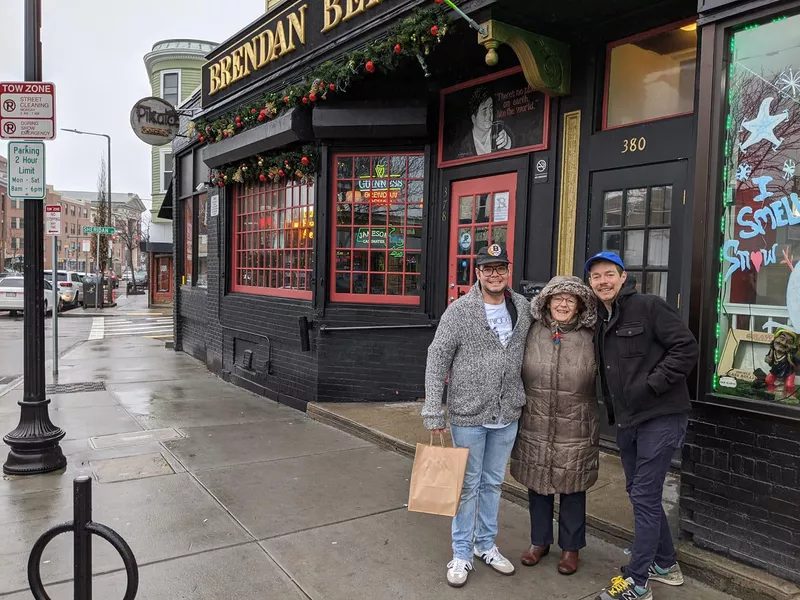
(414, 37)
(286, 165)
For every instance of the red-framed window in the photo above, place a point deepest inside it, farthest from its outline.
(273, 239)
(650, 76)
(377, 224)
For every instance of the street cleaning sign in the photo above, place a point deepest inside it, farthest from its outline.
(27, 110)
(87, 230)
(26, 171)
(52, 219)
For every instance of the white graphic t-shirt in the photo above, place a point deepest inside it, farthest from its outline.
(500, 321)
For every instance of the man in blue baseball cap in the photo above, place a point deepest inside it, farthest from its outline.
(645, 354)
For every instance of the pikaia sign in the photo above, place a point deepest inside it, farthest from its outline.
(282, 36)
(155, 121)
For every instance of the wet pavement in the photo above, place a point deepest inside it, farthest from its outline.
(224, 494)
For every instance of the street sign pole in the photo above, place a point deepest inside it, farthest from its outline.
(56, 302)
(34, 443)
(99, 272)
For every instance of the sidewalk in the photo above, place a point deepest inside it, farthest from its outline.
(223, 494)
(125, 306)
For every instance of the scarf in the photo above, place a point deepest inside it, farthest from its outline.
(559, 329)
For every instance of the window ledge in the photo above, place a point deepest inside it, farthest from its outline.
(761, 407)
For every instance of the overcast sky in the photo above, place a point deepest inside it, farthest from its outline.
(93, 51)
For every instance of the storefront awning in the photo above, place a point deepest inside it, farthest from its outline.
(165, 211)
(292, 126)
(367, 121)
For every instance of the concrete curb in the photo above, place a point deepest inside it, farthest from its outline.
(714, 570)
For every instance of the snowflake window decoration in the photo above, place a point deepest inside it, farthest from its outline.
(789, 167)
(743, 172)
(789, 81)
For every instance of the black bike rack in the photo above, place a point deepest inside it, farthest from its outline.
(83, 527)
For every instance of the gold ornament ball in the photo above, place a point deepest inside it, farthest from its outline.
(491, 57)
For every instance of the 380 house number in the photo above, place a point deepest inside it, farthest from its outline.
(634, 145)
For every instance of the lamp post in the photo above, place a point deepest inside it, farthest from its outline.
(34, 443)
(108, 137)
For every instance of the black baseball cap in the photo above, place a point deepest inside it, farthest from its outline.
(492, 255)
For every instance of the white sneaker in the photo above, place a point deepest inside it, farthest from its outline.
(457, 572)
(497, 561)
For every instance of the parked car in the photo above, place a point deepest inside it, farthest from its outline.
(12, 295)
(70, 286)
(141, 280)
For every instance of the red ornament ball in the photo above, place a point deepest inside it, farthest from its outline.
(305, 99)
(262, 177)
(398, 49)
(332, 87)
(208, 128)
(238, 123)
(238, 119)
(253, 111)
(439, 1)
(370, 66)
(221, 183)
(312, 97)
(305, 161)
(281, 173)
(261, 117)
(435, 30)
(286, 99)
(286, 162)
(202, 139)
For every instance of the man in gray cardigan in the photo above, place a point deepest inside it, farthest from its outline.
(479, 344)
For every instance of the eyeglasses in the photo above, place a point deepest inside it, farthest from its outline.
(500, 270)
(558, 300)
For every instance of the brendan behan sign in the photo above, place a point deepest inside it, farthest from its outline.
(155, 121)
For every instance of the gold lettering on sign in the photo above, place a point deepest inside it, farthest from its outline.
(214, 80)
(297, 26)
(249, 57)
(634, 145)
(354, 8)
(333, 15)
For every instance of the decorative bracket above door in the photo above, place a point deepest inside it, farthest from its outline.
(545, 61)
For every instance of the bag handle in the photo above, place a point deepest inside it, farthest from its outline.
(441, 439)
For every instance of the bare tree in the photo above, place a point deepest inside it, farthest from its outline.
(101, 217)
(129, 233)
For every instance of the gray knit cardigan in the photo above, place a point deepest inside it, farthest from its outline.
(485, 384)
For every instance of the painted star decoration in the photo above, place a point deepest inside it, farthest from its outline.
(790, 82)
(789, 167)
(763, 126)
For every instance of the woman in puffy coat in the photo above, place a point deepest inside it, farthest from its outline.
(557, 449)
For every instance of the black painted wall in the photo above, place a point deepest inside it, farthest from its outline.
(740, 488)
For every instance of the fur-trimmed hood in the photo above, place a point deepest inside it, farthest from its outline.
(567, 284)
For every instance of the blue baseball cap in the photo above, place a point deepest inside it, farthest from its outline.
(611, 257)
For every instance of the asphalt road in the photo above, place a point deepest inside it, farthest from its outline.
(70, 332)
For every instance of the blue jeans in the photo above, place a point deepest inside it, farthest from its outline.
(475, 524)
(646, 451)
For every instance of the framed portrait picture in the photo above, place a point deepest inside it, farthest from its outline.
(491, 117)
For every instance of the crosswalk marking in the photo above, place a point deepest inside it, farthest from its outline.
(98, 328)
(151, 327)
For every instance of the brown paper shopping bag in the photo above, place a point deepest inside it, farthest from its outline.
(437, 478)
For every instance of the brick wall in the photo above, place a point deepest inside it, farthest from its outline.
(741, 488)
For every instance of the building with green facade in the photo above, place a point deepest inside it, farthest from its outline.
(174, 68)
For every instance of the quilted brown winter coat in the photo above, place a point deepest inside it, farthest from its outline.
(557, 448)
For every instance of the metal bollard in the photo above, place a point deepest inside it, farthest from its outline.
(83, 527)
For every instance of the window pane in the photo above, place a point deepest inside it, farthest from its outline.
(634, 207)
(612, 240)
(378, 223)
(661, 205)
(657, 284)
(482, 208)
(465, 209)
(188, 247)
(276, 241)
(760, 266)
(658, 248)
(652, 77)
(634, 249)
(612, 209)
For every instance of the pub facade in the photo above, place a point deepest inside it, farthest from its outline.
(348, 159)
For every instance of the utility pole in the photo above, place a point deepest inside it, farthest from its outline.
(34, 443)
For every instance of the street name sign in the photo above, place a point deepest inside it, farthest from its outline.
(27, 110)
(26, 171)
(87, 230)
(52, 219)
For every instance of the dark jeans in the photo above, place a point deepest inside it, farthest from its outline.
(571, 520)
(646, 451)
